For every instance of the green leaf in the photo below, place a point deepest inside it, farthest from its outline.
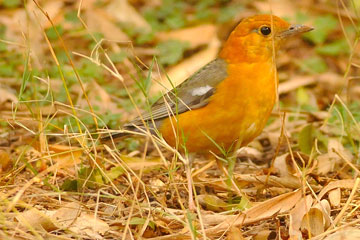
(115, 172)
(11, 3)
(141, 221)
(301, 17)
(175, 21)
(69, 185)
(137, 221)
(323, 25)
(306, 139)
(302, 97)
(170, 52)
(243, 204)
(229, 12)
(314, 65)
(6, 70)
(3, 47)
(213, 203)
(335, 48)
(71, 16)
(51, 32)
(145, 37)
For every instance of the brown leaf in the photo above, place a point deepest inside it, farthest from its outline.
(136, 163)
(98, 21)
(324, 207)
(89, 225)
(66, 215)
(345, 234)
(72, 217)
(99, 97)
(64, 156)
(314, 222)
(295, 83)
(335, 197)
(183, 70)
(5, 161)
(261, 211)
(280, 8)
(37, 219)
(235, 234)
(212, 202)
(263, 235)
(195, 36)
(297, 214)
(124, 12)
(269, 208)
(348, 184)
(7, 96)
(329, 161)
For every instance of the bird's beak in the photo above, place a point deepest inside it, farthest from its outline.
(294, 30)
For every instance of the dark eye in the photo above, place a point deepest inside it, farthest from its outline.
(265, 30)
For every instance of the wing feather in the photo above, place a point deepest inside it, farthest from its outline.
(183, 98)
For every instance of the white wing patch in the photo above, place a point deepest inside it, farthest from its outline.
(199, 91)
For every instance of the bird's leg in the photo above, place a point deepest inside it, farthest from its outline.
(230, 175)
(188, 165)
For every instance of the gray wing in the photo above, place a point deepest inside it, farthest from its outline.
(193, 93)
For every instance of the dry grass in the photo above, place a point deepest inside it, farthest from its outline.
(61, 88)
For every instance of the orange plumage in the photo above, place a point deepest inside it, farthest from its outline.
(242, 102)
(229, 100)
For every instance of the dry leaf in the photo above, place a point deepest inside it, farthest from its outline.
(63, 156)
(195, 36)
(264, 235)
(324, 207)
(261, 211)
(98, 22)
(335, 197)
(72, 217)
(39, 220)
(66, 215)
(122, 11)
(348, 184)
(314, 222)
(156, 184)
(281, 8)
(325, 163)
(140, 163)
(283, 181)
(280, 164)
(269, 208)
(213, 203)
(345, 234)
(297, 214)
(5, 96)
(89, 225)
(234, 234)
(329, 161)
(296, 82)
(5, 161)
(99, 97)
(183, 70)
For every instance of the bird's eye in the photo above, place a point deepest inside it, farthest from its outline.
(265, 30)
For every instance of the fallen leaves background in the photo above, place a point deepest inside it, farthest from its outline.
(67, 71)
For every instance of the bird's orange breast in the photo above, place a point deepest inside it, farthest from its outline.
(235, 114)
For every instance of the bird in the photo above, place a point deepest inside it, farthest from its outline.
(227, 102)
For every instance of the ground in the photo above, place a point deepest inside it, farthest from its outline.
(72, 70)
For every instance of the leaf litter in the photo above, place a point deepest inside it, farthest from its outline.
(57, 181)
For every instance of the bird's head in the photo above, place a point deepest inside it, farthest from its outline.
(257, 38)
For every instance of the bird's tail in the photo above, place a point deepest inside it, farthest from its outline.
(113, 136)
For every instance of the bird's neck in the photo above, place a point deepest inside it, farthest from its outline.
(240, 50)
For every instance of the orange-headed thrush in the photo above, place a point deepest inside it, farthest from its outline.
(229, 100)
